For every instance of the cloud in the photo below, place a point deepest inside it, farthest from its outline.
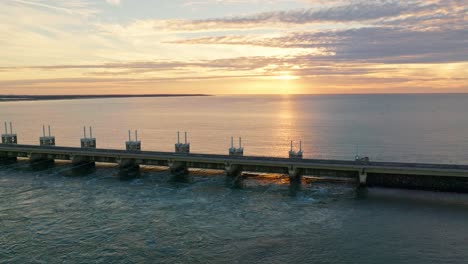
(356, 11)
(38, 4)
(345, 43)
(378, 44)
(415, 14)
(69, 7)
(309, 70)
(295, 40)
(258, 66)
(114, 2)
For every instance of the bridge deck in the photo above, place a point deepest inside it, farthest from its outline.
(261, 164)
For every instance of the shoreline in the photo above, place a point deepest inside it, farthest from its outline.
(16, 98)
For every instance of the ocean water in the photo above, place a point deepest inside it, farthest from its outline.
(420, 128)
(54, 217)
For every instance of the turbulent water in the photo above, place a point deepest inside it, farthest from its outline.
(54, 216)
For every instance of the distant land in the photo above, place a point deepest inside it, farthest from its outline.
(10, 98)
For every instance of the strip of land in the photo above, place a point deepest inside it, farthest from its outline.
(11, 98)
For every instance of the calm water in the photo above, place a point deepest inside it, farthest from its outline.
(52, 217)
(424, 128)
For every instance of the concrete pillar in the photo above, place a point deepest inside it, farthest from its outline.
(362, 177)
(40, 161)
(128, 169)
(295, 180)
(82, 164)
(77, 160)
(295, 174)
(234, 177)
(6, 159)
(179, 170)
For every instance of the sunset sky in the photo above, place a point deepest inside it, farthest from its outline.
(233, 46)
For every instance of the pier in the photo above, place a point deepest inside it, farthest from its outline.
(442, 177)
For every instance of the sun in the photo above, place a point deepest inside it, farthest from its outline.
(286, 84)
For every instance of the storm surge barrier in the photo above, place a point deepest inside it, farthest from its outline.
(442, 177)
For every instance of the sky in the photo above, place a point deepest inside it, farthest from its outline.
(233, 46)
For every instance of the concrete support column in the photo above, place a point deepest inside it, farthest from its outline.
(6, 159)
(295, 174)
(129, 169)
(362, 177)
(77, 160)
(82, 164)
(295, 180)
(179, 170)
(234, 177)
(40, 161)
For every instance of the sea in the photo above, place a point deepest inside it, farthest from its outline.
(54, 216)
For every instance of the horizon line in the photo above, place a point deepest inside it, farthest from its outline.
(215, 94)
